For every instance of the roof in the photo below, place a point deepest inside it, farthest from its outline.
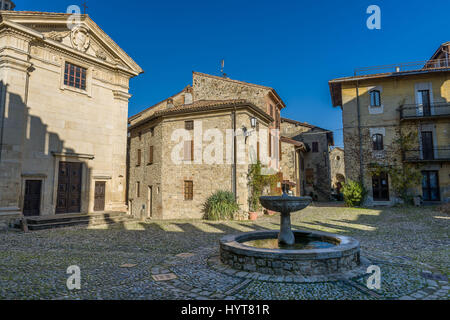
(23, 20)
(155, 105)
(303, 124)
(336, 84)
(202, 106)
(273, 91)
(293, 142)
(330, 134)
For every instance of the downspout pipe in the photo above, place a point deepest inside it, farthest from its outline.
(234, 170)
(361, 171)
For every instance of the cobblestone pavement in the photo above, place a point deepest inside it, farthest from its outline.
(411, 246)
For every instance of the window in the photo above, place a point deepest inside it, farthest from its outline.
(189, 150)
(140, 136)
(377, 140)
(138, 189)
(150, 155)
(152, 132)
(430, 186)
(189, 125)
(380, 187)
(315, 147)
(309, 174)
(375, 98)
(138, 161)
(75, 76)
(188, 190)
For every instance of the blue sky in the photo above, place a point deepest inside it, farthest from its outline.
(292, 46)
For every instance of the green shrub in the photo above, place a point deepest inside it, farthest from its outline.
(354, 193)
(220, 206)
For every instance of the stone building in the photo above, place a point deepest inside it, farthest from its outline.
(337, 168)
(63, 116)
(398, 118)
(209, 110)
(314, 173)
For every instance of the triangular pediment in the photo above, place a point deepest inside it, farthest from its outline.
(83, 35)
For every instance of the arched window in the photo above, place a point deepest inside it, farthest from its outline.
(377, 142)
(375, 98)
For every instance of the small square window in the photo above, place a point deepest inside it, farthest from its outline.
(189, 125)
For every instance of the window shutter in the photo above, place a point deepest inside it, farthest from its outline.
(150, 155)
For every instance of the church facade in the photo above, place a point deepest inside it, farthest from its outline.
(64, 91)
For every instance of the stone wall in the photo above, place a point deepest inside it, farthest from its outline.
(337, 165)
(315, 162)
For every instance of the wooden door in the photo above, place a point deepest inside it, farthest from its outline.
(427, 145)
(69, 188)
(380, 187)
(32, 199)
(100, 191)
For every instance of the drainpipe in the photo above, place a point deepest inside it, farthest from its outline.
(361, 171)
(234, 172)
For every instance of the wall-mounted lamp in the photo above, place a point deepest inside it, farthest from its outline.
(253, 122)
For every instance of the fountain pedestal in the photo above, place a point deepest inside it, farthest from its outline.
(286, 236)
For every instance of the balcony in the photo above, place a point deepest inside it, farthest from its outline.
(422, 111)
(427, 155)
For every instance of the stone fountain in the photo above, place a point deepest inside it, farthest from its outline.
(288, 252)
(285, 205)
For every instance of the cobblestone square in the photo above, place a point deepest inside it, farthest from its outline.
(410, 245)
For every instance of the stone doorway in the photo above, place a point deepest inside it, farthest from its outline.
(69, 188)
(32, 199)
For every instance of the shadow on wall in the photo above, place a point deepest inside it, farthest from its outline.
(27, 152)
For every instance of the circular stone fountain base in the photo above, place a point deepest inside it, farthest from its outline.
(343, 256)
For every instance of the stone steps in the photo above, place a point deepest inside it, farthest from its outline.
(64, 221)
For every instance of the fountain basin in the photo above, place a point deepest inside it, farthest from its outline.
(341, 256)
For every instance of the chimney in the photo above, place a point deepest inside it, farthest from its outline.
(188, 99)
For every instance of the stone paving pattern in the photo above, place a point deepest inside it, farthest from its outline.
(410, 245)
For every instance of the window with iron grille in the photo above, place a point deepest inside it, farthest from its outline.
(188, 190)
(375, 98)
(75, 76)
(377, 142)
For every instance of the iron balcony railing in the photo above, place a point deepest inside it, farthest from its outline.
(413, 111)
(405, 67)
(427, 154)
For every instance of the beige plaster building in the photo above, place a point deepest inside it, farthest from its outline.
(382, 107)
(63, 116)
(162, 188)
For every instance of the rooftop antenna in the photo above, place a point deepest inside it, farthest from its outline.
(223, 68)
(85, 7)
